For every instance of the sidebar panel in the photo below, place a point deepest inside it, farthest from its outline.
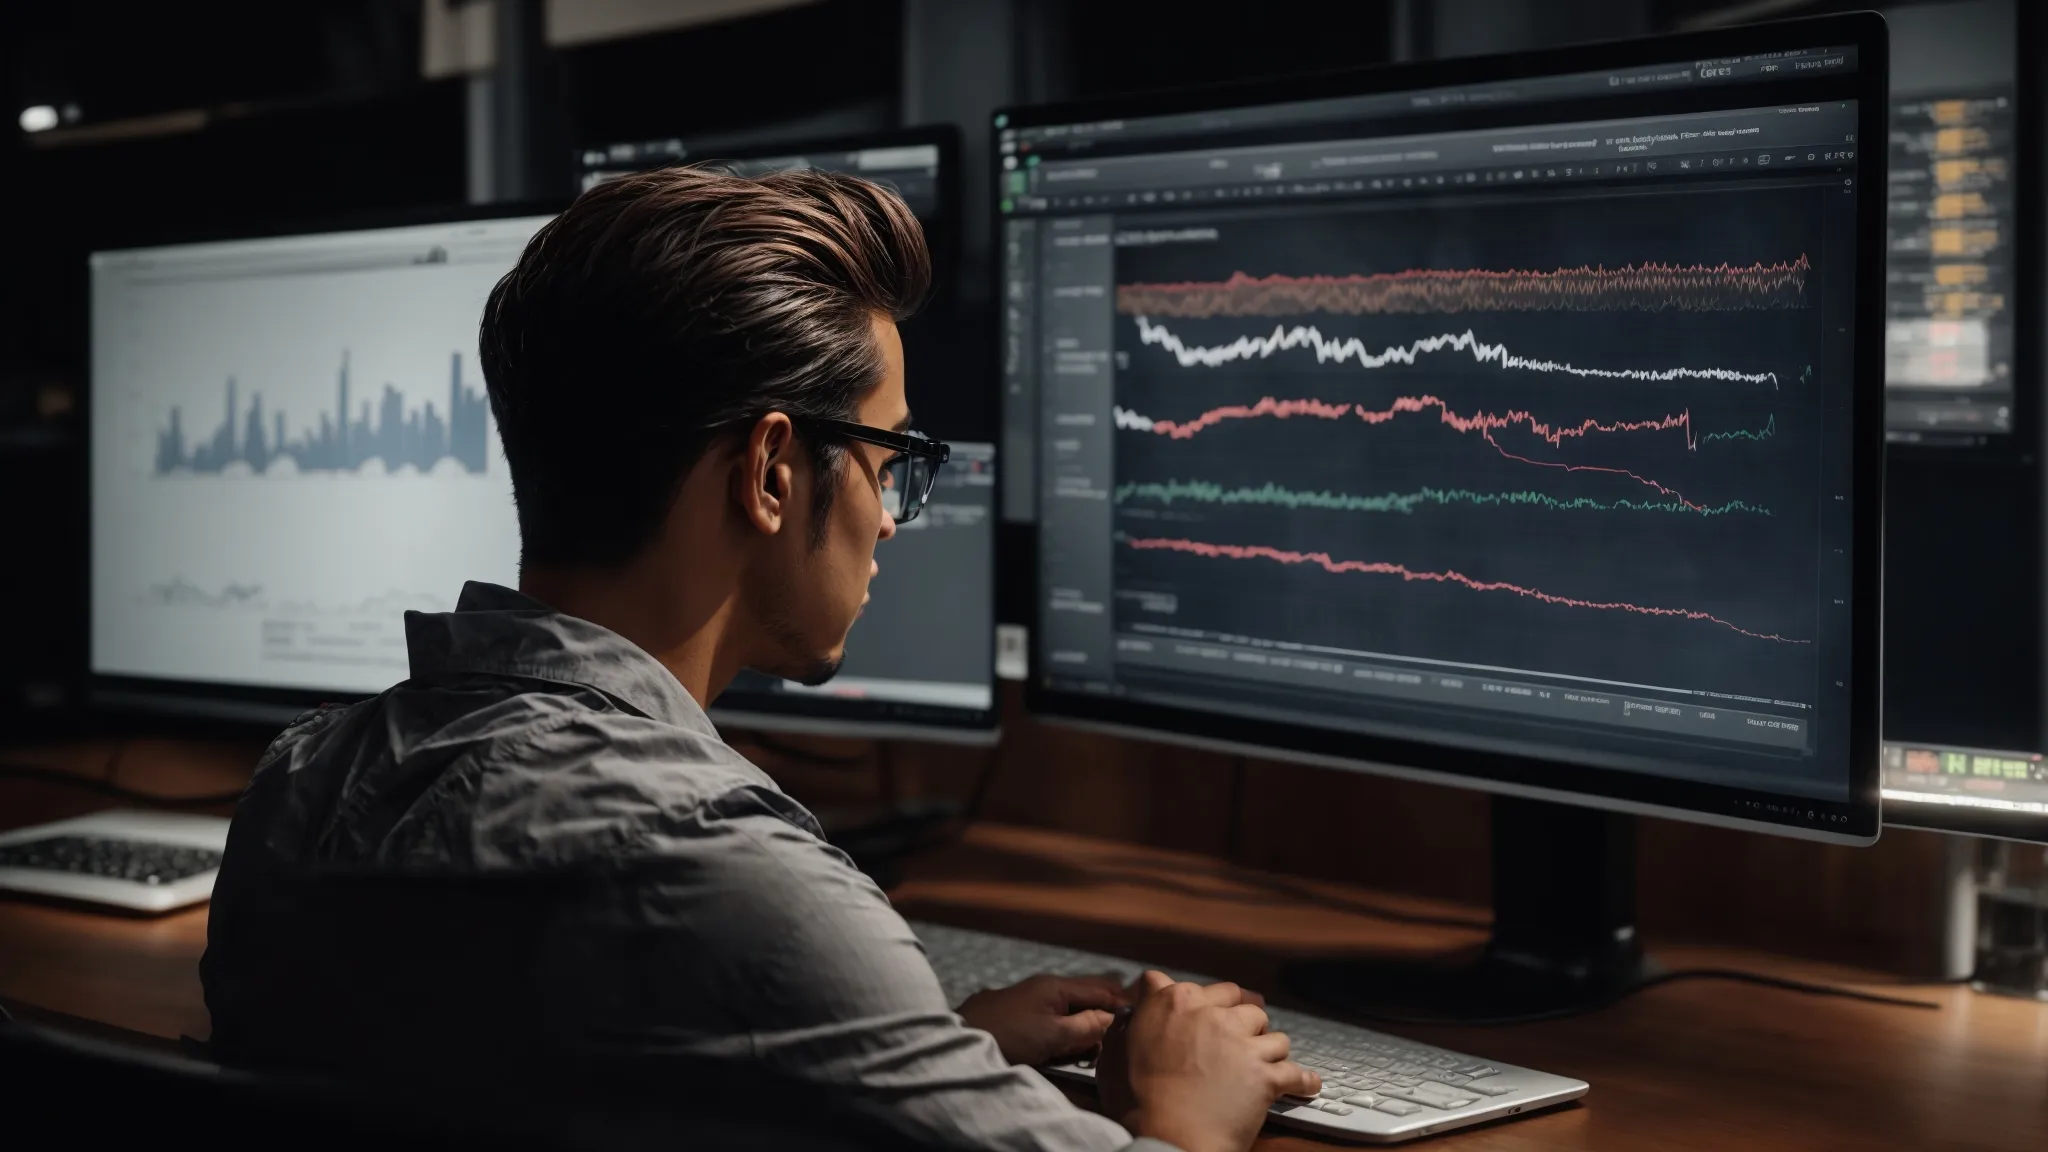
(1077, 269)
(1020, 370)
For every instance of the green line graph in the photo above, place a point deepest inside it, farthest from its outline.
(1769, 430)
(1405, 503)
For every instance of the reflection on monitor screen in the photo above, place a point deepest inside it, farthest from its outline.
(291, 447)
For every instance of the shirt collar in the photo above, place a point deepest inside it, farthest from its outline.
(499, 631)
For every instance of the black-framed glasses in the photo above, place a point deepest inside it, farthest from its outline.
(908, 476)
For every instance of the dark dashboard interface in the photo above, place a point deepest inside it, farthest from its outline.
(1509, 418)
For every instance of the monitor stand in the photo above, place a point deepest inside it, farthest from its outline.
(1563, 940)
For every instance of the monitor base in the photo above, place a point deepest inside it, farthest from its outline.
(1563, 939)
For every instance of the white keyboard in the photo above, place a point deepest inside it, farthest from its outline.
(1376, 1088)
(138, 861)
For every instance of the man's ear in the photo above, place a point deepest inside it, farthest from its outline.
(763, 477)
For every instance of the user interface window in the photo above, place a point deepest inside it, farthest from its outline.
(291, 447)
(1511, 416)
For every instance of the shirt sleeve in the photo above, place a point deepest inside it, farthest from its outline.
(776, 942)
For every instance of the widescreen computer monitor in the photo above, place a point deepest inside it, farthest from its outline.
(1511, 423)
(290, 447)
(920, 663)
(1967, 664)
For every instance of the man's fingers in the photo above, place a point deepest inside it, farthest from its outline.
(1224, 995)
(1250, 1018)
(1090, 991)
(1272, 1047)
(1154, 981)
(1083, 1030)
(1291, 1079)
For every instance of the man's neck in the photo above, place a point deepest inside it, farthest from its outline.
(683, 623)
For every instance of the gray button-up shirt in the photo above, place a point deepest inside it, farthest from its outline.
(710, 918)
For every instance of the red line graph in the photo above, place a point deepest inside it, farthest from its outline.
(1555, 434)
(1646, 287)
(1484, 423)
(1410, 575)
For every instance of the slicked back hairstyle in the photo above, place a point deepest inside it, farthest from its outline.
(667, 309)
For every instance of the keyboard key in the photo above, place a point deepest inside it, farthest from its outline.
(1334, 1093)
(1334, 1108)
(1397, 1107)
(1489, 1088)
(1425, 1096)
(1364, 1099)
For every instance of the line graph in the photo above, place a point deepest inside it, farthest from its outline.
(1350, 348)
(1644, 287)
(1449, 576)
(1579, 437)
(1554, 434)
(342, 441)
(1484, 423)
(1169, 492)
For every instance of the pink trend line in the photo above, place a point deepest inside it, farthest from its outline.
(1378, 568)
(1267, 406)
(1483, 423)
(1674, 493)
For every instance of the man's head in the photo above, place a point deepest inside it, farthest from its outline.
(655, 363)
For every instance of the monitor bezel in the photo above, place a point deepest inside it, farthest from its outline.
(1525, 775)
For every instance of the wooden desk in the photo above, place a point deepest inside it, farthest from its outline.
(1702, 1065)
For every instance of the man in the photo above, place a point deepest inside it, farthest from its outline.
(537, 852)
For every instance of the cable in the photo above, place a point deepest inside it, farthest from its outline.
(108, 788)
(977, 797)
(114, 758)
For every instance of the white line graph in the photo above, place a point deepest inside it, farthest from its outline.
(1350, 348)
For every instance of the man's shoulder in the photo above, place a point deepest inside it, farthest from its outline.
(513, 775)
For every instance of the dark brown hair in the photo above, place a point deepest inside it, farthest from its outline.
(666, 309)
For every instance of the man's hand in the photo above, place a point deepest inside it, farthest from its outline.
(1195, 1066)
(1046, 1017)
